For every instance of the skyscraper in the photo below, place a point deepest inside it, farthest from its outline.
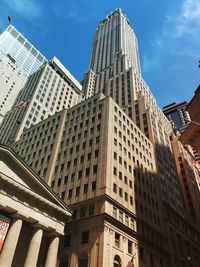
(48, 90)
(110, 159)
(11, 80)
(27, 58)
(121, 79)
(114, 38)
(100, 163)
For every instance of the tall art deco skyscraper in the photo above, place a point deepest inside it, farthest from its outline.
(115, 65)
(110, 158)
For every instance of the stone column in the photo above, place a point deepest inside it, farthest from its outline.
(9, 247)
(52, 252)
(33, 250)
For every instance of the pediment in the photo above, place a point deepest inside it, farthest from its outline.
(14, 168)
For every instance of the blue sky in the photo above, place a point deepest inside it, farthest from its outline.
(168, 33)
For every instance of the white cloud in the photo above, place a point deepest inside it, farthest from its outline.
(27, 8)
(188, 21)
(179, 37)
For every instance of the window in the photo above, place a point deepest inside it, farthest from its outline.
(94, 186)
(115, 212)
(87, 172)
(63, 195)
(59, 182)
(132, 224)
(96, 153)
(94, 169)
(91, 210)
(85, 188)
(80, 174)
(117, 261)
(130, 247)
(82, 212)
(114, 188)
(82, 159)
(85, 237)
(120, 192)
(121, 216)
(52, 184)
(117, 240)
(126, 196)
(77, 191)
(125, 179)
(126, 220)
(70, 193)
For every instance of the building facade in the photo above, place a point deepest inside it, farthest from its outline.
(177, 114)
(49, 90)
(32, 217)
(122, 80)
(27, 58)
(11, 79)
(100, 163)
(192, 135)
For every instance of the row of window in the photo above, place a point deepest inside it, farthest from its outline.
(77, 191)
(131, 125)
(88, 171)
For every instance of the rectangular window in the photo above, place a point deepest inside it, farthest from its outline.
(77, 191)
(120, 192)
(87, 172)
(115, 212)
(94, 186)
(82, 212)
(91, 210)
(114, 188)
(121, 216)
(117, 240)
(85, 237)
(94, 169)
(70, 193)
(126, 220)
(85, 188)
(130, 247)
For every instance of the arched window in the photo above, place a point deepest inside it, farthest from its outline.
(117, 261)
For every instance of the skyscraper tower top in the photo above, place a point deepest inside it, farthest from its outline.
(114, 37)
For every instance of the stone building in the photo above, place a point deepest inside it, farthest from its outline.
(192, 135)
(36, 216)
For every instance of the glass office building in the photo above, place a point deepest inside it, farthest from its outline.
(26, 56)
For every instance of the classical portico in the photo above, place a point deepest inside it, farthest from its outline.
(37, 215)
